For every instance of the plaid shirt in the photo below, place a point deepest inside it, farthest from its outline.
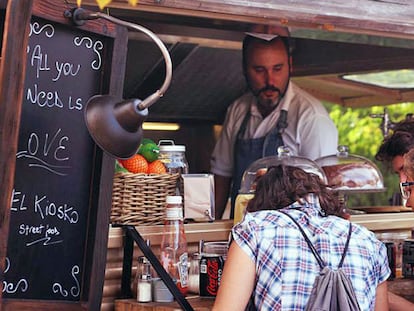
(286, 268)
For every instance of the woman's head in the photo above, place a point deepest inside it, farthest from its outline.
(283, 185)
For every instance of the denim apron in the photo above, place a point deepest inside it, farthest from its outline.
(246, 151)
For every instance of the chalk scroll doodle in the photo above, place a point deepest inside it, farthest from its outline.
(11, 288)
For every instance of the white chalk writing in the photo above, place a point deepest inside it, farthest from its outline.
(18, 201)
(36, 29)
(49, 234)
(39, 60)
(96, 47)
(67, 69)
(50, 99)
(9, 287)
(41, 151)
(74, 291)
(45, 208)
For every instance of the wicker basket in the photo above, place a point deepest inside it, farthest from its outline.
(139, 199)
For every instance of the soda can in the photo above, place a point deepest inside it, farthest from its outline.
(408, 259)
(211, 270)
(391, 254)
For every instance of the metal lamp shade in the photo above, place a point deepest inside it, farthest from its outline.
(115, 126)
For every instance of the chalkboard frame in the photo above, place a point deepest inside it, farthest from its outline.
(115, 38)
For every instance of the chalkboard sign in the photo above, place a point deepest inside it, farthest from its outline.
(50, 202)
(57, 196)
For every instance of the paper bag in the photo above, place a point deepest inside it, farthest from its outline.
(198, 197)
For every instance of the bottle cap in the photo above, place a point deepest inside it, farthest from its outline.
(174, 213)
(167, 145)
(174, 199)
(176, 148)
(143, 260)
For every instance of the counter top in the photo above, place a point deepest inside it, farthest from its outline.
(396, 222)
(198, 304)
(220, 229)
(385, 221)
(400, 286)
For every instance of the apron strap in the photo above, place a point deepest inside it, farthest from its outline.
(281, 124)
(243, 126)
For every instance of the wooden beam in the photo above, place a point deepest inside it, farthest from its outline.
(317, 57)
(385, 18)
(12, 74)
(335, 82)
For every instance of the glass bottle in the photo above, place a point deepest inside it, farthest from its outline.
(144, 280)
(174, 254)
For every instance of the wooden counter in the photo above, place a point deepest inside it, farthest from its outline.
(198, 304)
(215, 231)
(402, 287)
(400, 223)
(388, 222)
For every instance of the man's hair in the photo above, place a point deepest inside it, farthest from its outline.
(283, 185)
(398, 143)
(249, 40)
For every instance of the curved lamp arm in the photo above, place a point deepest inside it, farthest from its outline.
(80, 15)
(116, 126)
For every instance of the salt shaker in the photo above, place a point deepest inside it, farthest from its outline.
(144, 287)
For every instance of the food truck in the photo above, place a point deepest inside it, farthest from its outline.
(331, 40)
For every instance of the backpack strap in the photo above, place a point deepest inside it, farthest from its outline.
(318, 257)
(346, 246)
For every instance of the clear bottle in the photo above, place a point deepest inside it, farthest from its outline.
(174, 254)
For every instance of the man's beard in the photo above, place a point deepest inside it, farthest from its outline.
(267, 103)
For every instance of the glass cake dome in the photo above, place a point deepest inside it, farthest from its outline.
(351, 173)
(259, 167)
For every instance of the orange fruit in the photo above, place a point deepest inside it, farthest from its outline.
(157, 167)
(135, 164)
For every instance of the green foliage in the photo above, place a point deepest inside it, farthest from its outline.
(362, 134)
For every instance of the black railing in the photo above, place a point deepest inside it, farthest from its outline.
(131, 235)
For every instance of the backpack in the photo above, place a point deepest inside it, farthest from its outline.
(332, 290)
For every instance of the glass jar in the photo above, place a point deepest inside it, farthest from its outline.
(194, 274)
(173, 156)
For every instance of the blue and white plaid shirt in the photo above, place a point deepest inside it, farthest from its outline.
(286, 268)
